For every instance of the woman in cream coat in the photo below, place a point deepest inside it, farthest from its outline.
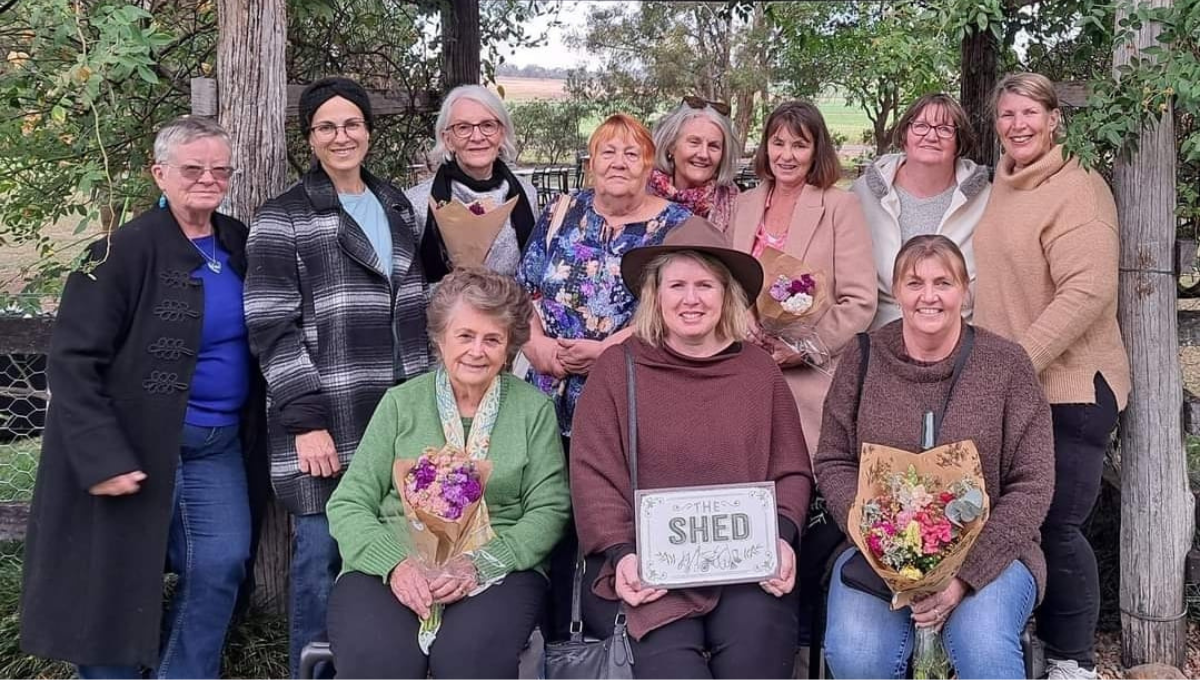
(797, 209)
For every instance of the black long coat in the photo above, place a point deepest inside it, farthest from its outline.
(122, 355)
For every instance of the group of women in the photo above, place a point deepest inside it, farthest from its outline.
(343, 302)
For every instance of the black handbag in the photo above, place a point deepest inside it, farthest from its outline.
(581, 658)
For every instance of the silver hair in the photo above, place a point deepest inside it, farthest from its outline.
(666, 133)
(185, 130)
(488, 100)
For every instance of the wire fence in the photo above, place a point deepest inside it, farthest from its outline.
(24, 396)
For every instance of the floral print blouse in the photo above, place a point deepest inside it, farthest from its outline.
(575, 282)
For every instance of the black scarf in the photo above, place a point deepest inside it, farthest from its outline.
(434, 257)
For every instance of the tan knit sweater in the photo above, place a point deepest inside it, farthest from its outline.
(1046, 253)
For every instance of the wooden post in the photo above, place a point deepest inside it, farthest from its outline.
(980, 58)
(460, 43)
(1156, 505)
(252, 84)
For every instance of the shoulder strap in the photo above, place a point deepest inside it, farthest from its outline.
(556, 220)
(968, 344)
(864, 347)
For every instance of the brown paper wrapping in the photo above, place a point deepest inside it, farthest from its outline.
(776, 263)
(436, 541)
(469, 237)
(946, 465)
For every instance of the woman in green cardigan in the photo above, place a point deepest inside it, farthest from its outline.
(478, 320)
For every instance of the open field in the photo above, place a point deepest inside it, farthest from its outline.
(526, 89)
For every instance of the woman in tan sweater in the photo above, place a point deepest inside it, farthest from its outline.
(1046, 254)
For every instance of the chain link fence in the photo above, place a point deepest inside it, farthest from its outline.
(24, 396)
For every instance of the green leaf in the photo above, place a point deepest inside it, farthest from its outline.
(148, 75)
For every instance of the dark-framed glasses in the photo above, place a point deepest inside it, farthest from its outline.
(327, 131)
(193, 173)
(464, 130)
(922, 128)
(700, 102)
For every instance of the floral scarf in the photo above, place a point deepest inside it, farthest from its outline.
(481, 425)
(713, 203)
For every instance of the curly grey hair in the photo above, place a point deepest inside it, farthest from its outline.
(485, 98)
(185, 130)
(495, 295)
(666, 133)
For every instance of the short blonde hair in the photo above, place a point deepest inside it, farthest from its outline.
(1037, 87)
(648, 324)
(625, 126)
(926, 247)
(667, 131)
(496, 295)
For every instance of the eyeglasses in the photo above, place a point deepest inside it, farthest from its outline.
(922, 128)
(327, 131)
(193, 173)
(465, 130)
(700, 103)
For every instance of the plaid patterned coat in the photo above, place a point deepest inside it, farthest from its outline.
(331, 329)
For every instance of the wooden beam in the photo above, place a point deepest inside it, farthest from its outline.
(1073, 93)
(20, 335)
(205, 100)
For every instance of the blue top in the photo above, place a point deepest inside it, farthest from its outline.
(368, 213)
(222, 379)
(576, 286)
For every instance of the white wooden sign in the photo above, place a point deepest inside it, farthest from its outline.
(707, 535)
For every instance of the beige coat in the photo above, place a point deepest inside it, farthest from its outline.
(827, 232)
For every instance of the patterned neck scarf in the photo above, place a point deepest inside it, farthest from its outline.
(481, 425)
(709, 201)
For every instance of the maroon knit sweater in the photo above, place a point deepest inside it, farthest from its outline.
(725, 419)
(998, 403)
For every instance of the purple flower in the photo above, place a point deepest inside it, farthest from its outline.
(472, 489)
(780, 289)
(454, 511)
(424, 474)
(476, 208)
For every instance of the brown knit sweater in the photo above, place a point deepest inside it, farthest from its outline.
(1046, 253)
(725, 419)
(997, 403)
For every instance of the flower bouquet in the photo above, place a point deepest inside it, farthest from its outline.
(915, 518)
(793, 295)
(469, 230)
(442, 492)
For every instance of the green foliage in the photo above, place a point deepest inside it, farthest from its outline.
(880, 56)
(81, 81)
(548, 131)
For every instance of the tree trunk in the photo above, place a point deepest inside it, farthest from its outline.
(460, 43)
(1155, 494)
(252, 96)
(744, 101)
(980, 57)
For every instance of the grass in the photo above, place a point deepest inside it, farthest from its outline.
(18, 465)
(840, 118)
(257, 646)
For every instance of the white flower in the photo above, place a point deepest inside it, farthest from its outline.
(797, 304)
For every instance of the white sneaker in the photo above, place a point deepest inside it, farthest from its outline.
(1068, 670)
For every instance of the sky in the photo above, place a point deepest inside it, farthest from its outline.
(556, 53)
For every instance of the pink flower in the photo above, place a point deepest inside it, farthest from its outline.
(476, 208)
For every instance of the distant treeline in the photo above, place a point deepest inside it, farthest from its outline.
(530, 71)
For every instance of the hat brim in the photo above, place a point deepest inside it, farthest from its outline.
(744, 267)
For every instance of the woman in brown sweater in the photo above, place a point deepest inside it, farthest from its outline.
(1046, 252)
(711, 409)
(997, 403)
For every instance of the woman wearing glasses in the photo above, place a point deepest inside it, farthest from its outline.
(152, 427)
(930, 187)
(695, 159)
(335, 303)
(474, 141)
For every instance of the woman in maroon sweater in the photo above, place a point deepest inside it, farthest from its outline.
(997, 403)
(711, 410)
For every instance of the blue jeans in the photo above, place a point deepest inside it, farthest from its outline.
(315, 564)
(208, 547)
(864, 638)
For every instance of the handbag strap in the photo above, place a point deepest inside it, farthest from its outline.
(580, 562)
(960, 361)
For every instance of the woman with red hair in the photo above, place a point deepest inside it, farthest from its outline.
(572, 269)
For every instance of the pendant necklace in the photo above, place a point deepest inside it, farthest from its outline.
(214, 265)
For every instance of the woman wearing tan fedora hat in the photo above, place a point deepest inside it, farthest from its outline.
(711, 409)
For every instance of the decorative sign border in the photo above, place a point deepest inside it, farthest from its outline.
(748, 560)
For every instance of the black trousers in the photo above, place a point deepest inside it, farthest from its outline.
(750, 634)
(373, 635)
(1068, 614)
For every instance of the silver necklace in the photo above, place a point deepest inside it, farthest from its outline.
(214, 265)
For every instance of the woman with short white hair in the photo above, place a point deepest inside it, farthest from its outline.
(475, 141)
(696, 159)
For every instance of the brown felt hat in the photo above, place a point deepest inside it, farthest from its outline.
(699, 235)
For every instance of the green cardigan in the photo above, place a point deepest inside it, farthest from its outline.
(527, 495)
